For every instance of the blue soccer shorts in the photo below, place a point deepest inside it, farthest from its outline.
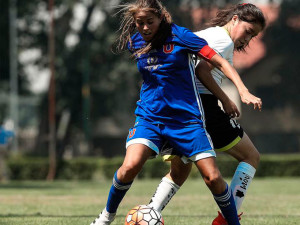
(191, 141)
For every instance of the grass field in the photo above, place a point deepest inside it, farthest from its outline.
(270, 201)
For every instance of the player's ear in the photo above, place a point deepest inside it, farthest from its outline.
(235, 19)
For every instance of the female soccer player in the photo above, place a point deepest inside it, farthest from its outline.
(232, 29)
(169, 108)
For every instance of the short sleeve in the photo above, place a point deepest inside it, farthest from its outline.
(192, 42)
(219, 41)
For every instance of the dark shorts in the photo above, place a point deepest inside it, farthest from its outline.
(224, 131)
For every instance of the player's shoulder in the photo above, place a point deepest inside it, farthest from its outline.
(181, 32)
(137, 42)
(176, 29)
(216, 34)
(186, 38)
(217, 38)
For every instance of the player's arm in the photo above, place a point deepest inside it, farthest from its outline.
(203, 73)
(232, 74)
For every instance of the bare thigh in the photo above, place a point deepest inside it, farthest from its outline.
(245, 151)
(136, 156)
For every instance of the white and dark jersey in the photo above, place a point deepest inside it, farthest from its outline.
(219, 40)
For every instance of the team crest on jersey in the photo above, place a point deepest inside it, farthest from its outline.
(131, 133)
(168, 48)
(152, 60)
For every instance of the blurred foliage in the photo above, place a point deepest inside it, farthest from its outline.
(282, 40)
(92, 82)
(4, 47)
(21, 168)
(5, 43)
(85, 70)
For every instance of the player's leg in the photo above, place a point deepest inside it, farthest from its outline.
(179, 171)
(136, 156)
(142, 142)
(219, 188)
(248, 156)
(237, 144)
(196, 146)
(225, 132)
(170, 184)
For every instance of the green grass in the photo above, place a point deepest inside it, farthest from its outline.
(270, 201)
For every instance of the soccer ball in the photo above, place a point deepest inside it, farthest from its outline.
(143, 215)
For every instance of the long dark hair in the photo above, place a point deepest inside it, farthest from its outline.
(246, 12)
(128, 27)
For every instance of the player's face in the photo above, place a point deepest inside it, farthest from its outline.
(147, 24)
(242, 32)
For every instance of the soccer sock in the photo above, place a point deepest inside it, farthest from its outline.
(164, 192)
(226, 204)
(240, 182)
(116, 194)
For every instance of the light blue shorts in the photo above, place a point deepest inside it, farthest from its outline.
(189, 140)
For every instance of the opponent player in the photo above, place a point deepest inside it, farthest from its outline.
(169, 107)
(232, 29)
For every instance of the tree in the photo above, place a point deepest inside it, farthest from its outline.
(91, 81)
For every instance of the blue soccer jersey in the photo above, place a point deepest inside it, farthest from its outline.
(169, 94)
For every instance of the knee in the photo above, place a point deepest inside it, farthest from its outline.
(214, 181)
(127, 172)
(254, 159)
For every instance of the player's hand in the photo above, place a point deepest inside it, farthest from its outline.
(249, 99)
(230, 108)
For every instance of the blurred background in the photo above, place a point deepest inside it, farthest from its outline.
(65, 95)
